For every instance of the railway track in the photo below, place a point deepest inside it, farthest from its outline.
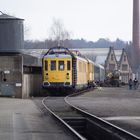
(83, 124)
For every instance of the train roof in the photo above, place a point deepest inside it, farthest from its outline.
(99, 65)
(96, 64)
(58, 55)
(81, 58)
(63, 52)
(57, 51)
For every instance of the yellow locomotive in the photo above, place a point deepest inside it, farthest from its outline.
(64, 69)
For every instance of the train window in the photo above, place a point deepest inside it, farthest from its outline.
(84, 67)
(61, 65)
(91, 68)
(53, 65)
(68, 65)
(80, 67)
(46, 65)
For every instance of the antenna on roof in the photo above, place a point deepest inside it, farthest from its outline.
(1, 12)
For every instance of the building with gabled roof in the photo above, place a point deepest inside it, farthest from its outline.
(120, 64)
(124, 67)
(111, 61)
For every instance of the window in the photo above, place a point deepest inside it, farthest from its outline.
(68, 65)
(61, 65)
(46, 65)
(124, 67)
(80, 67)
(84, 67)
(53, 65)
(111, 66)
(112, 57)
(124, 58)
(90, 68)
(96, 69)
(96, 73)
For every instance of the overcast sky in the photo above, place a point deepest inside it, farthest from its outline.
(88, 19)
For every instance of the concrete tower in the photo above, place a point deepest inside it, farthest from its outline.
(136, 34)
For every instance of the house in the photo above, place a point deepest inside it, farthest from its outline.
(120, 64)
(111, 61)
(125, 68)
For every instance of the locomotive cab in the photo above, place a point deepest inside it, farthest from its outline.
(57, 68)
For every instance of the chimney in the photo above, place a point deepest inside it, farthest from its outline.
(136, 34)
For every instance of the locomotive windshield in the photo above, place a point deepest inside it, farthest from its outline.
(61, 65)
(53, 65)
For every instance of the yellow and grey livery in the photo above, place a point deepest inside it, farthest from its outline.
(65, 69)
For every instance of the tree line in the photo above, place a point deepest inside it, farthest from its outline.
(76, 43)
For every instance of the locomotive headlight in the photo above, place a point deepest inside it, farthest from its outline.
(67, 76)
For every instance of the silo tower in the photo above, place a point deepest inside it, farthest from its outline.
(11, 33)
(11, 59)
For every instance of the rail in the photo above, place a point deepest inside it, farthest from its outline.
(97, 127)
(112, 130)
(63, 122)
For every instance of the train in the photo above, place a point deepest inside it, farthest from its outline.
(113, 79)
(68, 69)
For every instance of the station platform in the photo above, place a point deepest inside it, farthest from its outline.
(21, 120)
(119, 106)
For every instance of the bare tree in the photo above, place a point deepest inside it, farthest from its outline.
(58, 34)
(26, 32)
